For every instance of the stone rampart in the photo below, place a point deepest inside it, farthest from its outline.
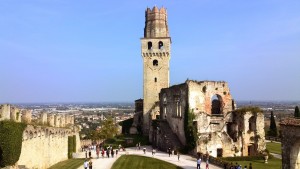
(43, 147)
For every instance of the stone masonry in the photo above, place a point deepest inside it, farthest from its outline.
(156, 45)
(290, 143)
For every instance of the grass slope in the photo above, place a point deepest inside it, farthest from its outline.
(274, 147)
(68, 164)
(134, 161)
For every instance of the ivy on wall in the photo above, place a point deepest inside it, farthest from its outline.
(71, 146)
(248, 109)
(10, 142)
(190, 130)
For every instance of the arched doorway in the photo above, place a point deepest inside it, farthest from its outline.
(216, 105)
(295, 156)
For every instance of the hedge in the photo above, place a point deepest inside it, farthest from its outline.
(10, 142)
(74, 143)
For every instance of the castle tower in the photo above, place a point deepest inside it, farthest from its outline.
(156, 45)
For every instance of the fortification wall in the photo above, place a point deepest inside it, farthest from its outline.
(43, 147)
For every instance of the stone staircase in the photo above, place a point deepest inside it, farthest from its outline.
(168, 139)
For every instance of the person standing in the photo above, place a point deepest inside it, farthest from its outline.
(85, 164)
(169, 151)
(90, 153)
(198, 163)
(117, 152)
(90, 164)
(178, 155)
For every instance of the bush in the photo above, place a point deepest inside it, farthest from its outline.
(11, 142)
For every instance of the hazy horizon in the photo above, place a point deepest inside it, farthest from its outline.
(67, 51)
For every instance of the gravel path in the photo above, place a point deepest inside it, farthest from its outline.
(185, 161)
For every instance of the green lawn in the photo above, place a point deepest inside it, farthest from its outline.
(274, 147)
(134, 161)
(69, 164)
(273, 163)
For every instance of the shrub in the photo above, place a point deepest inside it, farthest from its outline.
(190, 130)
(11, 142)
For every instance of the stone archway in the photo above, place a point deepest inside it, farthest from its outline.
(290, 143)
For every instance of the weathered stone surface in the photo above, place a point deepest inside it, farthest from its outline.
(43, 147)
(26, 116)
(5, 112)
(221, 131)
(290, 143)
(156, 55)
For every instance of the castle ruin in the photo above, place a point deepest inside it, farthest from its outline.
(222, 130)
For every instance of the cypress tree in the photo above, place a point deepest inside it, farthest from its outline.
(297, 112)
(273, 128)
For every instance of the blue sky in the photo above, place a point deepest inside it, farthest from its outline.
(89, 51)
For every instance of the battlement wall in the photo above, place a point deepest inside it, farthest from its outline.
(43, 147)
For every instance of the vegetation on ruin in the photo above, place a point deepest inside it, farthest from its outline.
(273, 128)
(11, 142)
(297, 112)
(134, 161)
(274, 147)
(69, 164)
(248, 109)
(71, 145)
(190, 130)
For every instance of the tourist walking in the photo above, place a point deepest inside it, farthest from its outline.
(90, 164)
(169, 151)
(90, 153)
(107, 153)
(178, 155)
(85, 164)
(144, 149)
(198, 163)
(112, 153)
(117, 152)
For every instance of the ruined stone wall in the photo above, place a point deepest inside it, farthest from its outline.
(290, 143)
(15, 114)
(202, 92)
(43, 118)
(4, 112)
(43, 147)
(26, 116)
(173, 104)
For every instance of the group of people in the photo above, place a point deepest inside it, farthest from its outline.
(88, 164)
(237, 166)
(108, 151)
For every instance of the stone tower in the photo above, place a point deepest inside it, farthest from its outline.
(156, 45)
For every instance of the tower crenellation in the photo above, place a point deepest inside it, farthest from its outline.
(156, 24)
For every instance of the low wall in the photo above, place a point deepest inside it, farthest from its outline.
(43, 147)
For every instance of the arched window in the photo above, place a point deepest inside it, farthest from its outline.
(216, 103)
(155, 63)
(155, 79)
(160, 45)
(252, 124)
(149, 45)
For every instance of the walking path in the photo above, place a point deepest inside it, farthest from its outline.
(186, 162)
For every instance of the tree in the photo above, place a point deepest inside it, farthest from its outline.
(273, 128)
(297, 112)
(108, 129)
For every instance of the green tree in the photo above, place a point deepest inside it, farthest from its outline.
(297, 112)
(273, 128)
(108, 129)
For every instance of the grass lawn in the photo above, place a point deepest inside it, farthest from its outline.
(69, 164)
(273, 163)
(274, 147)
(134, 161)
